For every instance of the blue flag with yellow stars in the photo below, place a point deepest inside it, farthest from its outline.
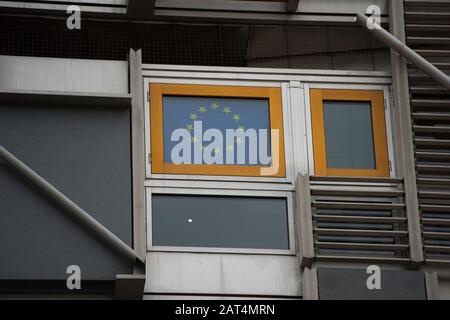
(218, 113)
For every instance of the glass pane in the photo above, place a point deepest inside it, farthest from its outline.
(348, 135)
(216, 221)
(240, 115)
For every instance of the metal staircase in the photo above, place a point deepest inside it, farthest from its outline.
(427, 28)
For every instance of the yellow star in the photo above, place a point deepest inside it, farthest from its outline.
(202, 109)
(241, 129)
(202, 147)
(238, 140)
(214, 106)
(227, 110)
(194, 139)
(230, 148)
(193, 116)
(216, 150)
(189, 127)
(236, 117)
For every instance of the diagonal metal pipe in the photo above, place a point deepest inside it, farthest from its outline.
(403, 50)
(78, 213)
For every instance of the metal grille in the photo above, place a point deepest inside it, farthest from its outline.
(427, 30)
(302, 47)
(361, 218)
(161, 43)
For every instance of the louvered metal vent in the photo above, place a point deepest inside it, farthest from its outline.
(359, 217)
(427, 26)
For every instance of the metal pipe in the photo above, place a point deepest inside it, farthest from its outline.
(403, 50)
(81, 215)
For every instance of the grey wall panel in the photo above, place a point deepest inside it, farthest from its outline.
(222, 274)
(85, 153)
(56, 74)
(350, 284)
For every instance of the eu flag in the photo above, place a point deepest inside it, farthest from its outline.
(216, 113)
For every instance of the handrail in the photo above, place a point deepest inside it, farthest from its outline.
(403, 50)
(81, 215)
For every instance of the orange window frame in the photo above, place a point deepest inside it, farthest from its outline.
(376, 98)
(158, 90)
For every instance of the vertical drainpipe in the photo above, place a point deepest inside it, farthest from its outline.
(404, 136)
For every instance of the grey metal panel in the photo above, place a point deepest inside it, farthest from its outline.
(85, 153)
(70, 207)
(56, 74)
(223, 274)
(350, 284)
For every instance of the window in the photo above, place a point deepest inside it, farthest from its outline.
(216, 130)
(349, 133)
(217, 221)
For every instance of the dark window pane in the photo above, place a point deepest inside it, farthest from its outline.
(240, 114)
(216, 221)
(348, 135)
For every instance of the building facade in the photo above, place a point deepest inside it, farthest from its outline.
(225, 149)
